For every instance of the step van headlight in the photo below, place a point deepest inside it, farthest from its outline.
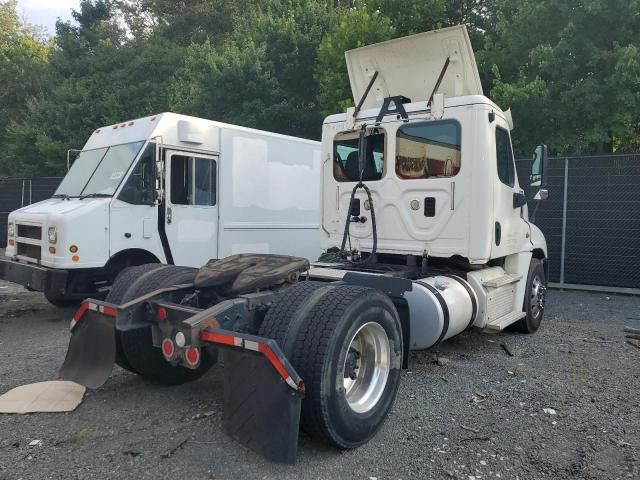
(11, 230)
(53, 235)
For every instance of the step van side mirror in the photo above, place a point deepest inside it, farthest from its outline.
(160, 167)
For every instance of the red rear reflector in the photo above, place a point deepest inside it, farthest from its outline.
(167, 348)
(162, 314)
(192, 356)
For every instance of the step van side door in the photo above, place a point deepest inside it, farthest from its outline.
(191, 207)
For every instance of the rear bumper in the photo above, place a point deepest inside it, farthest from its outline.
(33, 277)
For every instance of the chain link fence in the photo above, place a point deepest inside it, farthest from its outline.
(592, 220)
(19, 192)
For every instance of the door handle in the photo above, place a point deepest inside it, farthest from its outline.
(169, 214)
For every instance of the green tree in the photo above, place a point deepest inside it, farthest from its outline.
(569, 70)
(100, 77)
(23, 66)
(357, 27)
(262, 75)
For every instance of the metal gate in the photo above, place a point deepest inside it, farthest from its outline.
(592, 220)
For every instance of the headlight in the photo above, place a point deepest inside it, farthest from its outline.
(53, 235)
(11, 229)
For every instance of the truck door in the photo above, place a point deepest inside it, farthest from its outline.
(191, 216)
(509, 228)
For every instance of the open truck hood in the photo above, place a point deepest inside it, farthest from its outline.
(410, 66)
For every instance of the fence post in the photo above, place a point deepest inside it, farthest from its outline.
(30, 191)
(22, 198)
(564, 221)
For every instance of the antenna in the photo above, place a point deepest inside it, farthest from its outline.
(442, 72)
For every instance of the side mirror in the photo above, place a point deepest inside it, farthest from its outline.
(159, 180)
(69, 160)
(539, 167)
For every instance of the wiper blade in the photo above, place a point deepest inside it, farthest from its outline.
(64, 196)
(95, 195)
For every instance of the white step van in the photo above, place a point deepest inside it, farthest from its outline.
(166, 188)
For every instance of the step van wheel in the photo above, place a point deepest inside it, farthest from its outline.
(125, 279)
(348, 351)
(534, 299)
(60, 300)
(137, 345)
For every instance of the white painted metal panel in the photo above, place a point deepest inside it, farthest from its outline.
(410, 66)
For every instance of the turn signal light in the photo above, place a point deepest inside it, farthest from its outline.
(12, 242)
(52, 250)
(75, 259)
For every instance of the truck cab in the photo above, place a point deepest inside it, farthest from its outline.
(166, 188)
(438, 166)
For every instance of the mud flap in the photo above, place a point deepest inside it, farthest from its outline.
(261, 411)
(92, 351)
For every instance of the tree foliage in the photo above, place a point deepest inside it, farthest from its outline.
(570, 70)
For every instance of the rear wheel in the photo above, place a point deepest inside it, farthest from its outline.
(123, 282)
(346, 343)
(137, 345)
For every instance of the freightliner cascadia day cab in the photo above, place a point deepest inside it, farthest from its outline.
(171, 189)
(426, 234)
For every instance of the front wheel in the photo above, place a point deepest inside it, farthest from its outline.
(61, 300)
(534, 299)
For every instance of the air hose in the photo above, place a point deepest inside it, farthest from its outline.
(347, 224)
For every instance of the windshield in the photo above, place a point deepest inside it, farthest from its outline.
(100, 171)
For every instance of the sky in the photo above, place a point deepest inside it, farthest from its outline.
(46, 12)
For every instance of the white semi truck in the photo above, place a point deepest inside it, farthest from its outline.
(426, 234)
(170, 189)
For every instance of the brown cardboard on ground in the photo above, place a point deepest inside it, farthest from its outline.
(53, 396)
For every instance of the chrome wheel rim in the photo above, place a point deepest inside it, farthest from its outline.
(366, 367)
(537, 296)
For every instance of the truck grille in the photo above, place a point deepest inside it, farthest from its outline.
(30, 251)
(30, 231)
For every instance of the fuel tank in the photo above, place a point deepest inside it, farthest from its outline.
(440, 307)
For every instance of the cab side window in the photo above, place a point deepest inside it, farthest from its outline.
(140, 186)
(504, 157)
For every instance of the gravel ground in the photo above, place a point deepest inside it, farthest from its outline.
(466, 411)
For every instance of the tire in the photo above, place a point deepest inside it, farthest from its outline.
(283, 319)
(344, 319)
(534, 298)
(125, 279)
(60, 300)
(137, 345)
